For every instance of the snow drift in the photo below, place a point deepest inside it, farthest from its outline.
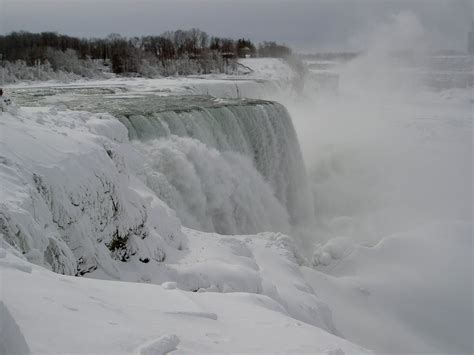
(43, 312)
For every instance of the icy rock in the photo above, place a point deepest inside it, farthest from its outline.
(334, 249)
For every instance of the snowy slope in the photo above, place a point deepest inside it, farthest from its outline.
(50, 313)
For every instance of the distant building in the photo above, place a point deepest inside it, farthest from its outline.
(470, 40)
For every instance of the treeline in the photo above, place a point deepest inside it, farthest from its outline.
(173, 52)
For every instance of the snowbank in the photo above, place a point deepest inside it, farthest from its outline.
(61, 314)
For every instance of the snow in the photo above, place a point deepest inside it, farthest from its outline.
(269, 78)
(98, 316)
(270, 69)
(68, 192)
(12, 340)
(336, 248)
(57, 165)
(162, 345)
(266, 263)
(391, 266)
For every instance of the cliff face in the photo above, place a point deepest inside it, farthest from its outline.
(69, 201)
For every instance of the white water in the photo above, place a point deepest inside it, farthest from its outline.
(237, 168)
(212, 191)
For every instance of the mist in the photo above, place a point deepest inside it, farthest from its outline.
(380, 155)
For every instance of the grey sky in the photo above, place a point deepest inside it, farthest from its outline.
(303, 24)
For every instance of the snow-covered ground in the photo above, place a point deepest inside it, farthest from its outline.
(46, 313)
(391, 267)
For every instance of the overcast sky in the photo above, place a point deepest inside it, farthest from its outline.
(305, 25)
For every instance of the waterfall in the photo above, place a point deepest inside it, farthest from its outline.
(226, 166)
(210, 190)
